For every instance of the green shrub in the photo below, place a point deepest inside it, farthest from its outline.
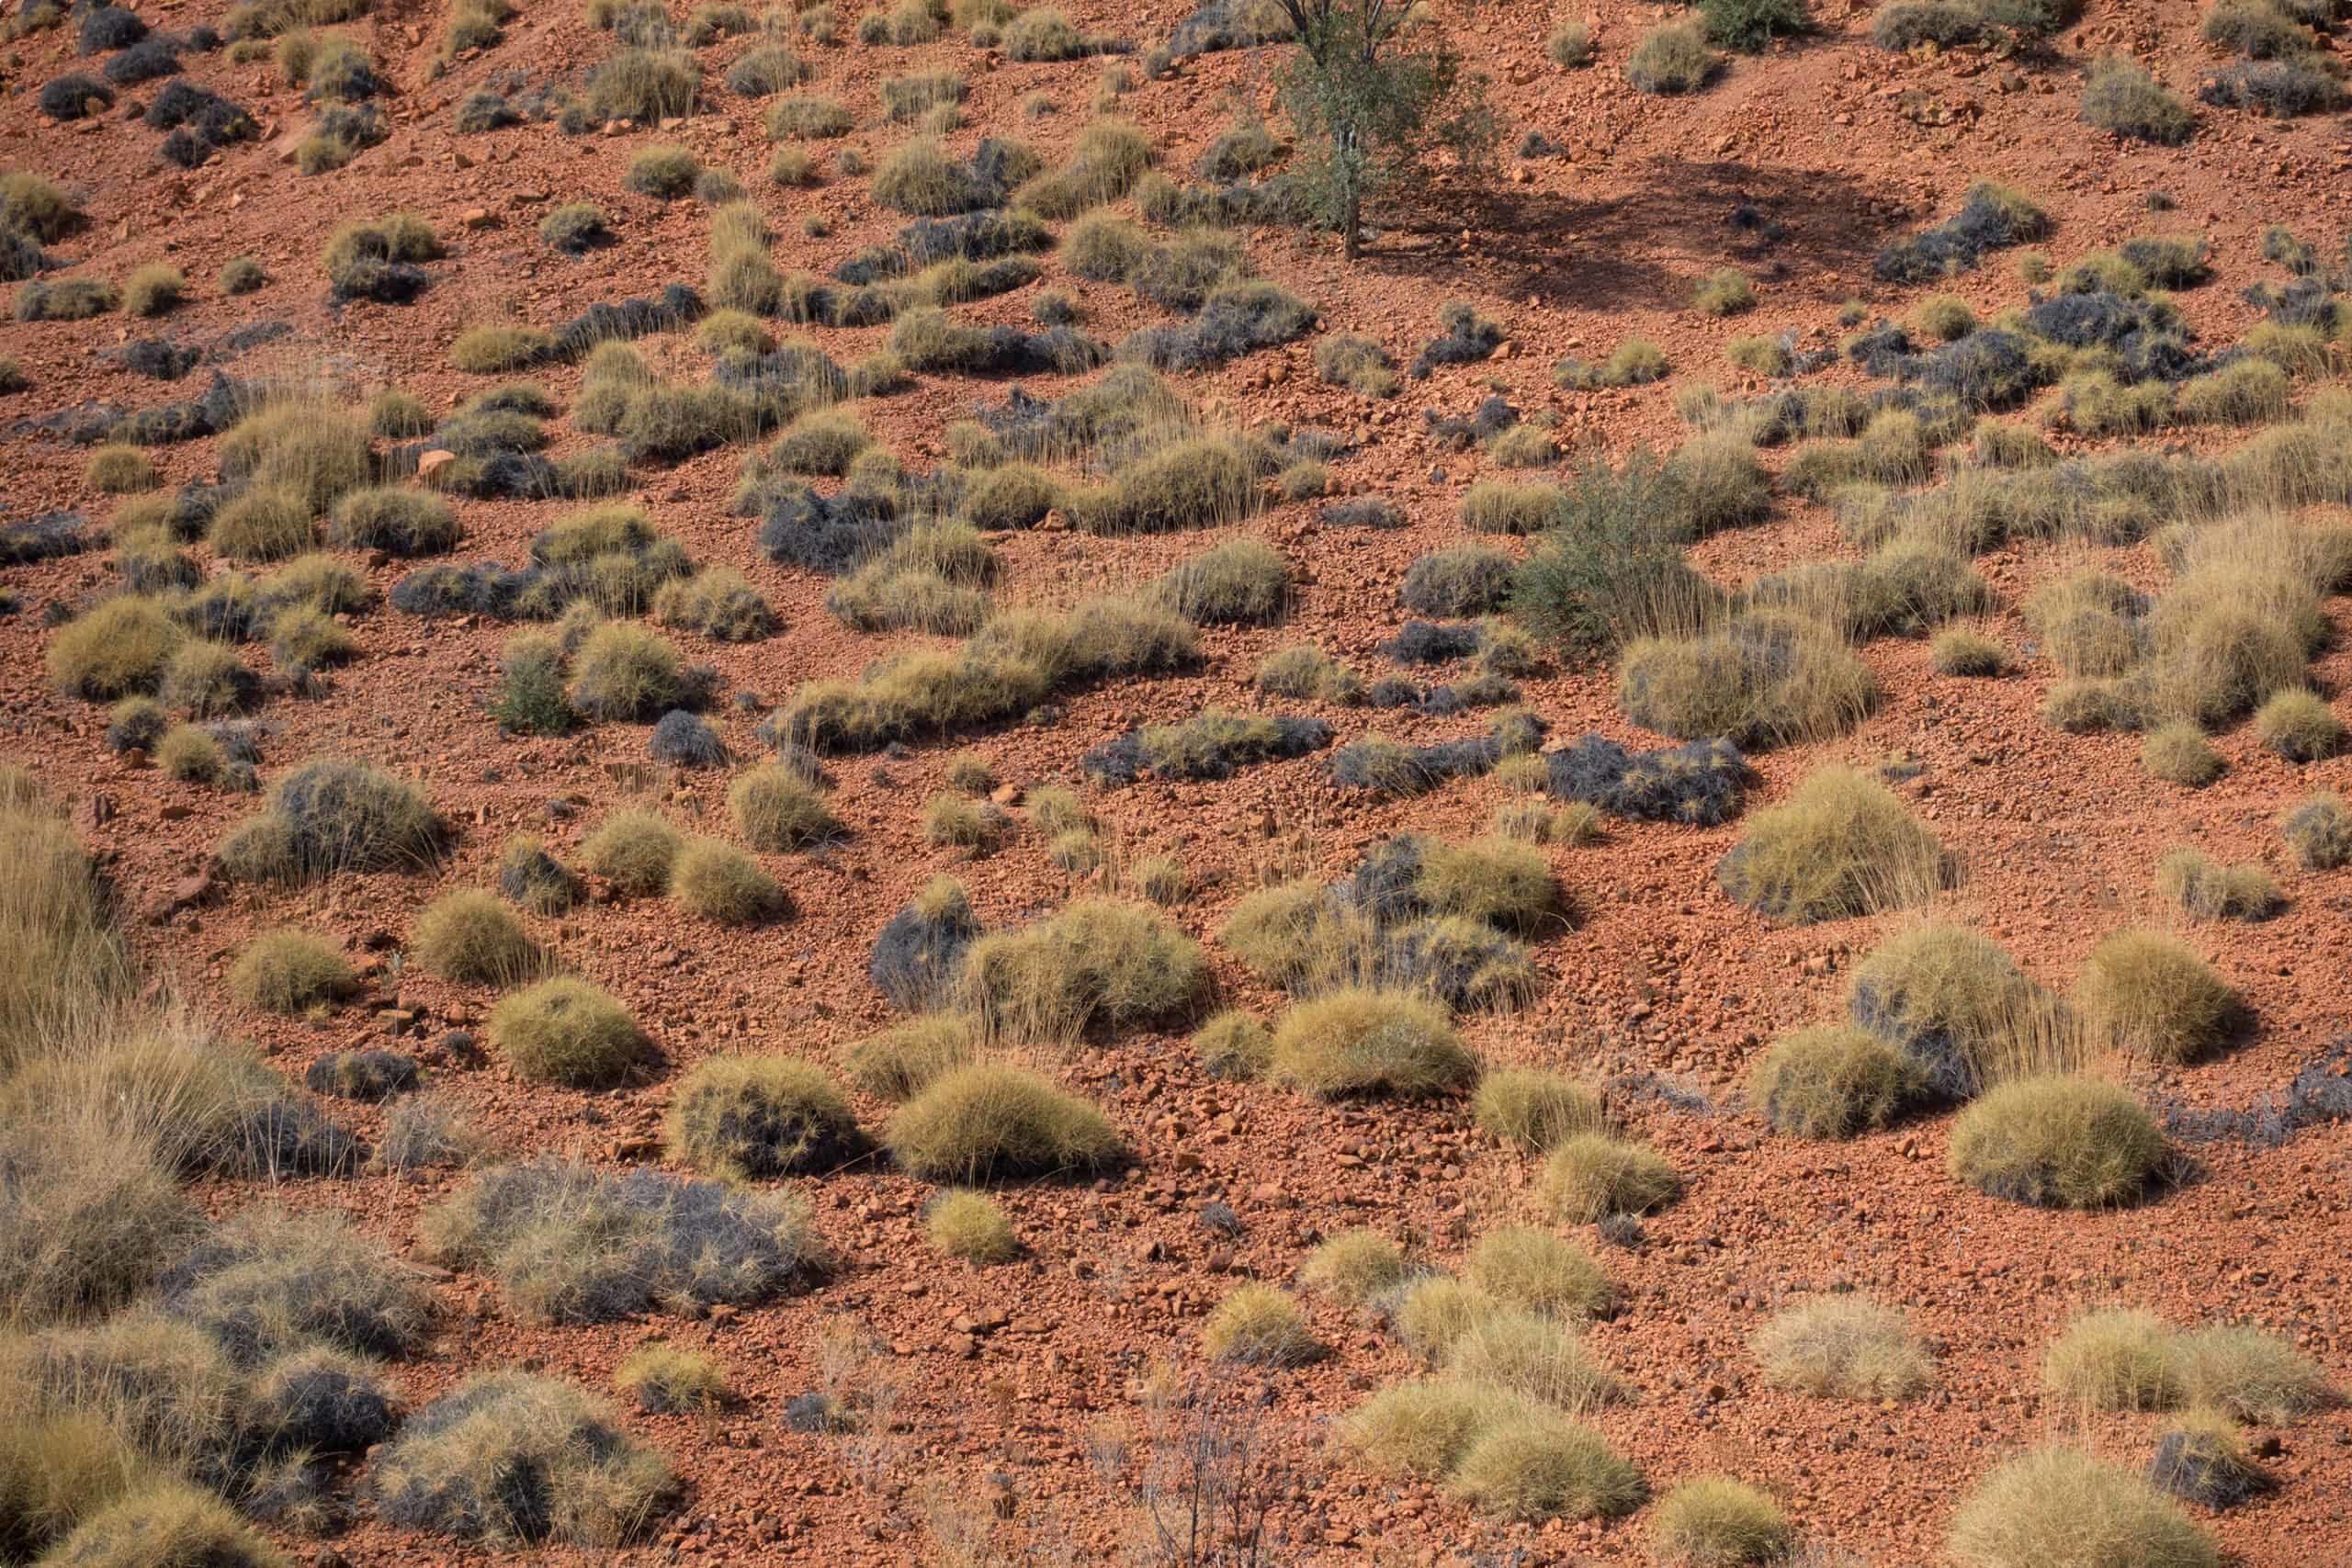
(754, 1118)
(565, 1030)
(2057, 1142)
(2121, 97)
(1360, 1041)
(1672, 59)
(1841, 845)
(988, 1118)
(2146, 992)
(971, 1226)
(1535, 1464)
(287, 972)
(1259, 1326)
(1592, 1176)
(1844, 1347)
(1534, 1110)
(467, 936)
(1832, 1081)
(1717, 1522)
(1610, 569)
(2059, 1506)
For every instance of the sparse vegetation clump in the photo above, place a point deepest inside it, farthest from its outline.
(1534, 1110)
(2123, 98)
(1842, 845)
(1844, 1347)
(1098, 962)
(2213, 891)
(1592, 1176)
(1258, 1325)
(1365, 1041)
(1534, 1464)
(1832, 1081)
(988, 1118)
(970, 1227)
(1355, 1267)
(2148, 993)
(2059, 1508)
(2059, 1142)
(2115, 1359)
(2320, 832)
(565, 1030)
(450, 1471)
(754, 1118)
(1717, 1522)
(468, 936)
(2179, 753)
(288, 971)
(327, 818)
(1673, 59)
(2299, 726)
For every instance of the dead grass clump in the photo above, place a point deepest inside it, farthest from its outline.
(288, 971)
(718, 882)
(1833, 1081)
(2179, 753)
(1592, 1175)
(1259, 1326)
(2058, 1143)
(1841, 845)
(1233, 1046)
(1764, 679)
(2320, 832)
(2056, 1504)
(2122, 98)
(120, 647)
(2299, 726)
(565, 1030)
(633, 851)
(327, 818)
(1360, 1040)
(666, 1381)
(1953, 1002)
(1717, 1522)
(1495, 881)
(572, 1245)
(971, 1226)
(2212, 891)
(1844, 1347)
(1306, 671)
(1534, 1110)
(1098, 961)
(988, 1118)
(165, 1522)
(2251, 1375)
(2115, 1359)
(1536, 1464)
(1240, 583)
(270, 1282)
(1106, 161)
(1354, 1268)
(777, 810)
(1425, 1427)
(1531, 1269)
(467, 936)
(647, 84)
(901, 1061)
(753, 1118)
(454, 1469)
(2146, 992)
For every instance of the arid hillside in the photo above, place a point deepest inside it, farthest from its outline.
(785, 786)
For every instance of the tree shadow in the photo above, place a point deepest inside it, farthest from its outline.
(1644, 248)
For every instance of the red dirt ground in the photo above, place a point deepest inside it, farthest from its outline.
(2058, 834)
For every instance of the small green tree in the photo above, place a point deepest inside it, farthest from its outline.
(1375, 91)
